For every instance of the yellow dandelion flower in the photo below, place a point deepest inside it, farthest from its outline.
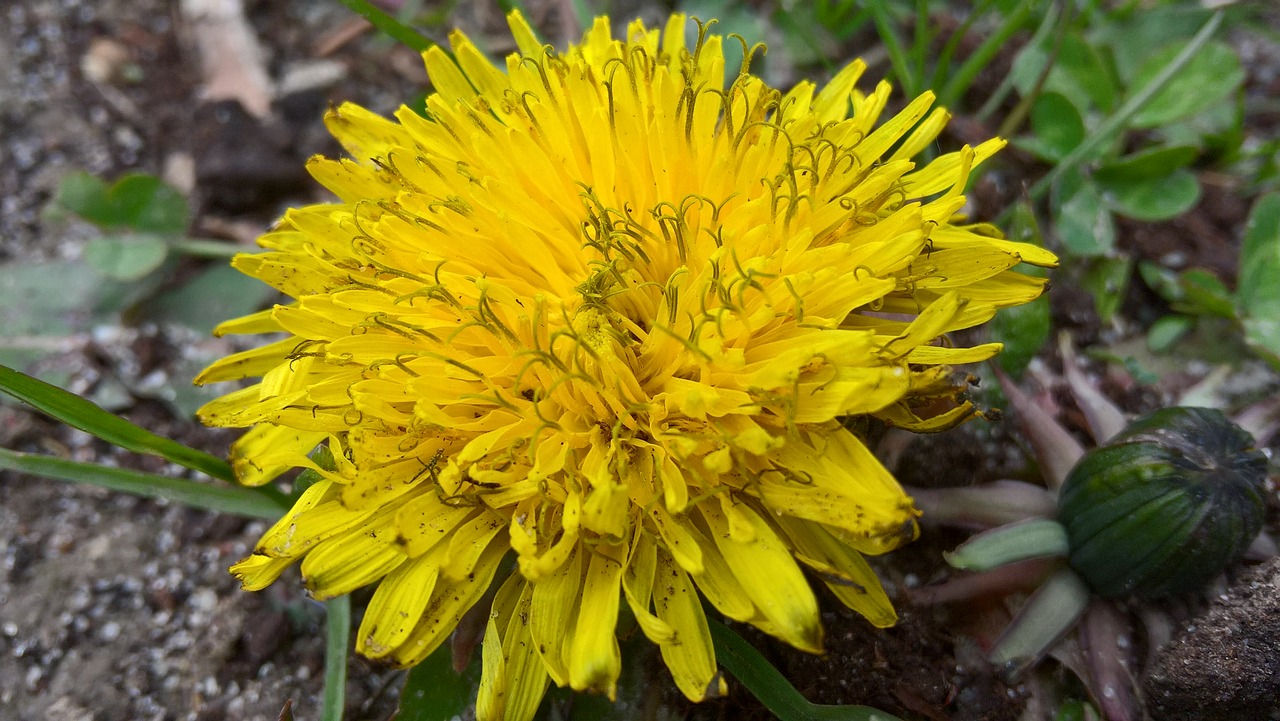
(606, 314)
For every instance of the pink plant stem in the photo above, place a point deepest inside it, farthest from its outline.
(1019, 576)
(1107, 639)
(1159, 627)
(1104, 418)
(986, 506)
(1055, 448)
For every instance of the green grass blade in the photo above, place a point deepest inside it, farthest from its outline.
(88, 417)
(1048, 22)
(920, 44)
(942, 65)
(959, 83)
(338, 628)
(223, 499)
(397, 30)
(772, 688)
(1113, 124)
(508, 5)
(907, 81)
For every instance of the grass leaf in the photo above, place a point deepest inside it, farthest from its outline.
(235, 500)
(80, 413)
(772, 688)
(398, 31)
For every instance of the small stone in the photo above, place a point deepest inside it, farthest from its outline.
(105, 60)
(110, 631)
(203, 601)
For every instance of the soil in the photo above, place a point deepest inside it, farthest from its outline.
(113, 607)
(1226, 664)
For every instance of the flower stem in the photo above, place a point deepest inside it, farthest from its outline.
(338, 626)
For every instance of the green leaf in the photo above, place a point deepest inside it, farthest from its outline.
(149, 205)
(1107, 281)
(1259, 286)
(80, 413)
(216, 294)
(338, 636)
(1206, 293)
(235, 500)
(1078, 73)
(1052, 610)
(1057, 127)
(433, 691)
(1132, 41)
(1218, 131)
(1213, 74)
(1161, 280)
(126, 257)
(1033, 538)
(1167, 331)
(135, 202)
(61, 297)
(1114, 123)
(1146, 164)
(86, 196)
(1263, 336)
(46, 307)
(1155, 199)
(1024, 329)
(1083, 223)
(772, 688)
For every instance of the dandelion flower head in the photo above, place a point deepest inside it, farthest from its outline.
(607, 314)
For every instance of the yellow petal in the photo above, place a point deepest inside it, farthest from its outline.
(260, 322)
(594, 658)
(490, 81)
(839, 483)
(900, 415)
(426, 521)
(638, 584)
(310, 527)
(447, 79)
(265, 451)
(769, 576)
(254, 362)
(689, 653)
(353, 559)
(922, 136)
(397, 606)
(931, 323)
(555, 603)
(718, 582)
(843, 569)
(513, 679)
(449, 601)
(832, 102)
(468, 541)
(256, 572)
(677, 537)
(939, 355)
(526, 38)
